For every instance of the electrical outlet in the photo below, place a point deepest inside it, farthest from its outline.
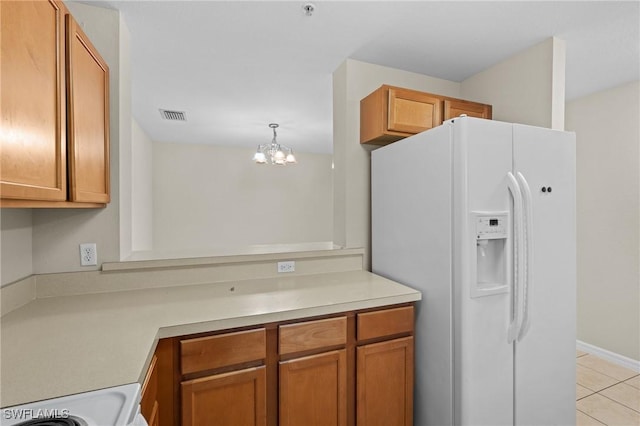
(288, 266)
(88, 254)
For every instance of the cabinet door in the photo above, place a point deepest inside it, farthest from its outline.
(384, 383)
(237, 398)
(313, 390)
(149, 394)
(455, 108)
(88, 115)
(33, 137)
(413, 112)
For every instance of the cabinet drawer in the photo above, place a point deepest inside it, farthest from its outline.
(312, 335)
(206, 353)
(385, 323)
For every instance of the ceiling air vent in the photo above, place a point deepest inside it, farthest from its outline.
(173, 115)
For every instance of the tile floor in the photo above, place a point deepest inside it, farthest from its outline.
(607, 394)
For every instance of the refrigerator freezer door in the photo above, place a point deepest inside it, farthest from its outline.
(483, 357)
(411, 243)
(545, 353)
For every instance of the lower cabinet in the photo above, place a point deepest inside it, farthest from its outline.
(347, 369)
(385, 383)
(150, 406)
(313, 390)
(235, 398)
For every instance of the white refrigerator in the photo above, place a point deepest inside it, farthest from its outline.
(479, 216)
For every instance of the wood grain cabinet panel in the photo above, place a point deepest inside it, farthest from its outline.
(311, 335)
(208, 353)
(314, 372)
(88, 114)
(54, 138)
(384, 323)
(456, 107)
(392, 113)
(413, 112)
(384, 383)
(237, 398)
(149, 393)
(313, 390)
(33, 127)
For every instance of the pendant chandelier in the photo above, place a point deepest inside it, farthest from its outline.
(274, 153)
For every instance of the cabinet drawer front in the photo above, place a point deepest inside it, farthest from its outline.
(206, 353)
(385, 323)
(312, 335)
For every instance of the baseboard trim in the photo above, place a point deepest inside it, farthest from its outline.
(613, 357)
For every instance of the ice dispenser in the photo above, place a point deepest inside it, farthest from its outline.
(490, 275)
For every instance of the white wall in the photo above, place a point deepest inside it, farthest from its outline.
(15, 245)
(527, 88)
(141, 189)
(608, 217)
(125, 147)
(207, 196)
(58, 233)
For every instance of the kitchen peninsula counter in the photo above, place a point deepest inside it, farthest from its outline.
(56, 346)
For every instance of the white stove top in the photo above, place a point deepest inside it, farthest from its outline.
(117, 406)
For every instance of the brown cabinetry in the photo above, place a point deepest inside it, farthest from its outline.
(234, 398)
(384, 378)
(227, 390)
(54, 142)
(346, 369)
(33, 144)
(156, 402)
(392, 113)
(455, 108)
(385, 383)
(149, 405)
(313, 389)
(88, 116)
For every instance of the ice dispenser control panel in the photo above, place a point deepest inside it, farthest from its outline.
(489, 263)
(491, 227)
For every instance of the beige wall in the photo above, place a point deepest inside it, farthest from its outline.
(141, 189)
(352, 81)
(207, 196)
(526, 88)
(15, 245)
(608, 217)
(58, 233)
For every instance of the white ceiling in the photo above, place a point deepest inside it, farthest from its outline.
(236, 66)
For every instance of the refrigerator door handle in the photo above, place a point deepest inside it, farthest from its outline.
(527, 232)
(518, 252)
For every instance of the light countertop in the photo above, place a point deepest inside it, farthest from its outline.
(59, 346)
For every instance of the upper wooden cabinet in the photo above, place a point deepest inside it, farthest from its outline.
(88, 115)
(412, 112)
(456, 107)
(392, 113)
(54, 140)
(33, 137)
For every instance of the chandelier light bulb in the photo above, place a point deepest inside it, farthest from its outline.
(274, 153)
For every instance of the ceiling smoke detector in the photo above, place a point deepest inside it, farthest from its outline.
(309, 8)
(173, 115)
